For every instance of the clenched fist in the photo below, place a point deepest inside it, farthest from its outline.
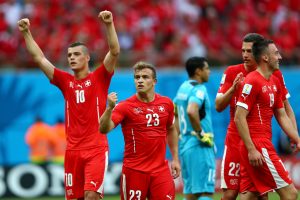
(23, 24)
(106, 16)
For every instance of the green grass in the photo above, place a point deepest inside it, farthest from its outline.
(217, 196)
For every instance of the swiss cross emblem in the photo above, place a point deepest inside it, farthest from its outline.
(137, 110)
(161, 109)
(87, 83)
(71, 84)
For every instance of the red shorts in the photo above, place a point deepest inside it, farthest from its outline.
(230, 168)
(272, 175)
(154, 186)
(84, 171)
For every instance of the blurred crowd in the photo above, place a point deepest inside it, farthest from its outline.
(164, 32)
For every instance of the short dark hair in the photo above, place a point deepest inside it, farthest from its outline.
(144, 65)
(260, 47)
(253, 37)
(84, 47)
(194, 63)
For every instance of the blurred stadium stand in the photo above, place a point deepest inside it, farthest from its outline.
(164, 32)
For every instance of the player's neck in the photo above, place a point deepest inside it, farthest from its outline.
(265, 71)
(250, 68)
(146, 97)
(81, 74)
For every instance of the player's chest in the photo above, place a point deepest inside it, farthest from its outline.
(149, 116)
(268, 94)
(80, 92)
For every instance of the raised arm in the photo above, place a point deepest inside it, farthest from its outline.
(34, 49)
(173, 145)
(106, 124)
(287, 126)
(111, 57)
(223, 100)
(255, 157)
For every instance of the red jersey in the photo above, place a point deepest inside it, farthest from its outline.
(260, 97)
(144, 127)
(226, 82)
(85, 101)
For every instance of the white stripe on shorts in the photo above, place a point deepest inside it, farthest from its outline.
(280, 183)
(223, 183)
(124, 185)
(100, 190)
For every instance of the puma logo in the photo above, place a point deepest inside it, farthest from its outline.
(93, 183)
(169, 196)
(151, 110)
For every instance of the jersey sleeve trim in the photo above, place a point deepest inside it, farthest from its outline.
(242, 105)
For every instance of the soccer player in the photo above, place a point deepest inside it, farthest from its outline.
(262, 169)
(227, 95)
(85, 95)
(196, 148)
(147, 121)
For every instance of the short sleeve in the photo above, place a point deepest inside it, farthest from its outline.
(118, 113)
(226, 82)
(198, 96)
(248, 95)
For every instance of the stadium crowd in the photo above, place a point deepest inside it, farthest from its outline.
(163, 31)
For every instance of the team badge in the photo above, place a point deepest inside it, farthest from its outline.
(274, 88)
(71, 84)
(247, 89)
(264, 89)
(161, 109)
(200, 94)
(87, 83)
(137, 110)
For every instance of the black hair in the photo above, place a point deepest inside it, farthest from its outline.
(259, 48)
(194, 63)
(253, 37)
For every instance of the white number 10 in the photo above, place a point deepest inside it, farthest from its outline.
(80, 96)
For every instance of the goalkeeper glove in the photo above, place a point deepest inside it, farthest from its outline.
(205, 138)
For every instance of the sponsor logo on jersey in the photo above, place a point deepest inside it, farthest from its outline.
(247, 89)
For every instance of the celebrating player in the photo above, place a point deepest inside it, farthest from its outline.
(85, 95)
(147, 120)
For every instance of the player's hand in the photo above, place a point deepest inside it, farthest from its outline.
(176, 169)
(237, 81)
(255, 158)
(295, 145)
(23, 24)
(112, 98)
(205, 138)
(106, 16)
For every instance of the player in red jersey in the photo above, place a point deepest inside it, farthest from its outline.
(262, 169)
(227, 95)
(85, 96)
(147, 120)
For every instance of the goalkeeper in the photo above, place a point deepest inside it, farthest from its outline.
(196, 145)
